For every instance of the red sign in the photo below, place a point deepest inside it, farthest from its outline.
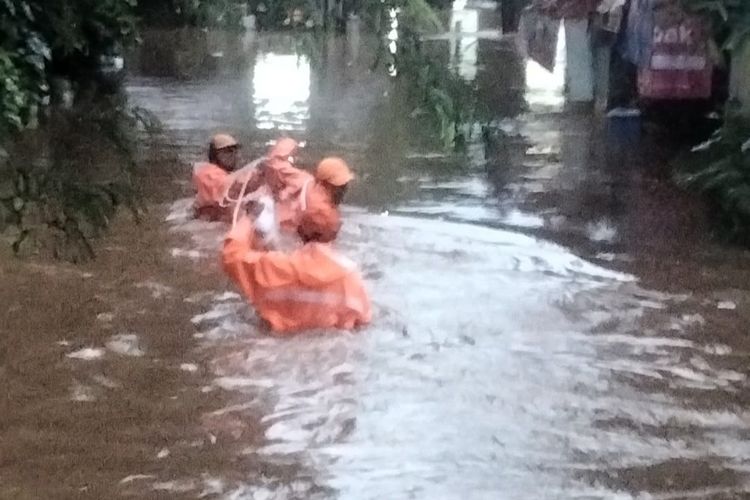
(679, 65)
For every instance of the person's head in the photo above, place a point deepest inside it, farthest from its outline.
(285, 148)
(223, 150)
(320, 226)
(334, 175)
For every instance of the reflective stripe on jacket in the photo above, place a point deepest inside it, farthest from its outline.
(313, 287)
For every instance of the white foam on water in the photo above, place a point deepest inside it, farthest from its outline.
(136, 477)
(218, 312)
(82, 393)
(175, 486)
(212, 486)
(87, 353)
(125, 344)
(602, 231)
(157, 290)
(180, 211)
(106, 317)
(190, 254)
(520, 219)
(107, 382)
(228, 296)
(230, 383)
(189, 367)
(726, 305)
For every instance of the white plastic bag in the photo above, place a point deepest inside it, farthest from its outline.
(265, 223)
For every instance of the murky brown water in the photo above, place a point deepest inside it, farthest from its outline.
(551, 320)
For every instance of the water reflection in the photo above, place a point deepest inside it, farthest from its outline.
(545, 89)
(463, 46)
(392, 38)
(281, 91)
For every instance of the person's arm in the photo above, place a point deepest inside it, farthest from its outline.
(239, 244)
(208, 182)
(249, 267)
(252, 176)
(254, 181)
(214, 186)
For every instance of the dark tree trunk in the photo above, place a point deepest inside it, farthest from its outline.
(510, 12)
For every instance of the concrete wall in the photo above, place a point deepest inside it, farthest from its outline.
(579, 75)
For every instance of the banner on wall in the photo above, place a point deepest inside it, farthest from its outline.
(678, 64)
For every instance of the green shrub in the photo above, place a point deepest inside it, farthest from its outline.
(61, 186)
(720, 170)
(445, 101)
(730, 19)
(24, 54)
(42, 39)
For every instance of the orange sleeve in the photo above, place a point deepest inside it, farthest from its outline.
(318, 200)
(238, 257)
(239, 242)
(285, 179)
(292, 177)
(256, 181)
(252, 269)
(209, 182)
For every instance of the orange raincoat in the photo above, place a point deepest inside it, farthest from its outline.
(210, 182)
(290, 186)
(312, 287)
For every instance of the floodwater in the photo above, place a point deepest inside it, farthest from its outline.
(551, 318)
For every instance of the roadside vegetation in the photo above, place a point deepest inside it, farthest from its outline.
(719, 169)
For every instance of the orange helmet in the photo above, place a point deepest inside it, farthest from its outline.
(334, 171)
(221, 141)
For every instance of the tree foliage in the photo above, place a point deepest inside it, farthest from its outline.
(40, 40)
(730, 19)
(719, 169)
(225, 14)
(24, 55)
(440, 96)
(56, 193)
(61, 186)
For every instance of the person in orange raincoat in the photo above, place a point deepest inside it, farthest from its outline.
(312, 287)
(210, 178)
(286, 183)
(296, 191)
(332, 178)
(303, 192)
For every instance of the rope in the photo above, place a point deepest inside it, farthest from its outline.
(227, 200)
